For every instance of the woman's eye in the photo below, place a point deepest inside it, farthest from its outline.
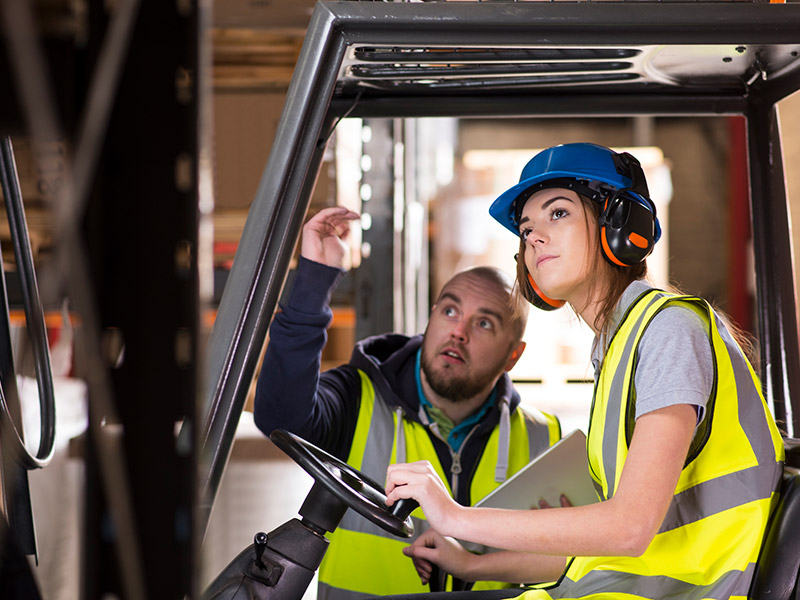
(524, 234)
(559, 213)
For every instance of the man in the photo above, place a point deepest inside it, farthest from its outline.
(444, 396)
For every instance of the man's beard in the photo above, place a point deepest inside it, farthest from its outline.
(455, 388)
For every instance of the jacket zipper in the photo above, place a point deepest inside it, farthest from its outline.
(455, 463)
(455, 457)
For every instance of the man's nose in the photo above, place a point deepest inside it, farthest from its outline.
(459, 331)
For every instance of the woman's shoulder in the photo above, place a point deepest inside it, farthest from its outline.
(677, 321)
(680, 310)
(676, 326)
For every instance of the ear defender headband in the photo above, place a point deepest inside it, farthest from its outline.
(628, 223)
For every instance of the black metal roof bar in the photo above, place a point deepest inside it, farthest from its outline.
(556, 105)
(448, 70)
(396, 54)
(471, 24)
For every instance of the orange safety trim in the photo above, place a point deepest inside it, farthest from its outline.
(545, 299)
(637, 240)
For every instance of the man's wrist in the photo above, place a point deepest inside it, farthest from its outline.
(313, 286)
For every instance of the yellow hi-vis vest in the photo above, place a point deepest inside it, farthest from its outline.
(709, 541)
(363, 559)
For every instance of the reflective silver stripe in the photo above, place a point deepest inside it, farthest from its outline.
(732, 583)
(538, 435)
(377, 454)
(719, 494)
(380, 439)
(752, 416)
(616, 403)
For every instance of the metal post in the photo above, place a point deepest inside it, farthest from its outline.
(376, 278)
(775, 285)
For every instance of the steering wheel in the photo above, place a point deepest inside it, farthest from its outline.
(350, 487)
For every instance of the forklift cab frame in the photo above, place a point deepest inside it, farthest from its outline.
(526, 59)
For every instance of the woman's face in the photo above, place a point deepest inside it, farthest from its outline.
(560, 246)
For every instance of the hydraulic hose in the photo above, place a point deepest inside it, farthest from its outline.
(34, 318)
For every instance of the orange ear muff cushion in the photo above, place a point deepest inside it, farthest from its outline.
(545, 299)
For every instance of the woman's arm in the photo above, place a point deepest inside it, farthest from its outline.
(453, 558)
(624, 525)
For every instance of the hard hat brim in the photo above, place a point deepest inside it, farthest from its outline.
(503, 208)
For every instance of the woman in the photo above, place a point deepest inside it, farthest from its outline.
(685, 455)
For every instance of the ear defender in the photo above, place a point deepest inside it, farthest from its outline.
(614, 181)
(514, 355)
(628, 229)
(539, 300)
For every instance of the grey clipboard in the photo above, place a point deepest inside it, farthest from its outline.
(561, 469)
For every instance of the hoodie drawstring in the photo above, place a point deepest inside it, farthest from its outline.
(503, 443)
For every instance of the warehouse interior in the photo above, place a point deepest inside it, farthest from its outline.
(158, 122)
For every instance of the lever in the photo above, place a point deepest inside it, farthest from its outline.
(260, 543)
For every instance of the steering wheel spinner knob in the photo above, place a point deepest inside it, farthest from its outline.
(403, 508)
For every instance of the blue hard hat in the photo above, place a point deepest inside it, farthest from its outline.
(590, 169)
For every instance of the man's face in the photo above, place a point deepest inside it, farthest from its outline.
(469, 339)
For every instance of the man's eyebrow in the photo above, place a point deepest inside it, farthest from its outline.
(481, 309)
(449, 296)
(491, 313)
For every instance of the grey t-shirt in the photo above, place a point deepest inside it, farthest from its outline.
(675, 361)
